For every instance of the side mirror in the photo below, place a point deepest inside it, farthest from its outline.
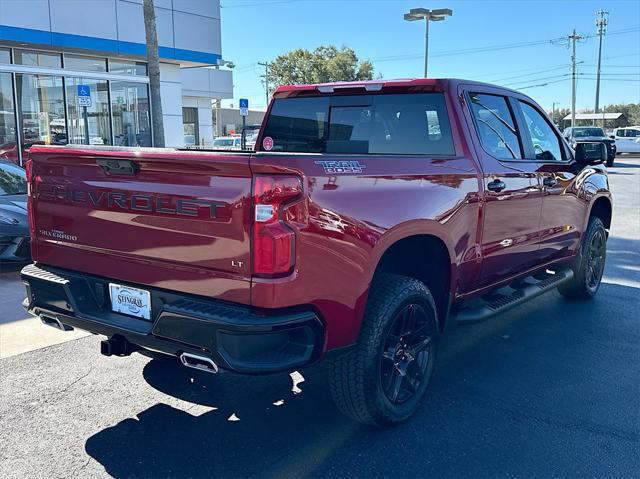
(613, 137)
(590, 153)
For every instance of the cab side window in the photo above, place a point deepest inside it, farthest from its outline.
(495, 125)
(546, 144)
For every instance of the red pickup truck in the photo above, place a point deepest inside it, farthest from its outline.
(370, 216)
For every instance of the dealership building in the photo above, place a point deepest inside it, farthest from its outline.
(74, 71)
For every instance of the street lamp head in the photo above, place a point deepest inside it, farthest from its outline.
(436, 15)
(441, 12)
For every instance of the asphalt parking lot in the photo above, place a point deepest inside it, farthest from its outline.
(550, 389)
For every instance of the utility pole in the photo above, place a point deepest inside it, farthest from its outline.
(266, 80)
(602, 19)
(553, 112)
(573, 38)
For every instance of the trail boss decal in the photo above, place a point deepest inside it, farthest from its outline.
(341, 167)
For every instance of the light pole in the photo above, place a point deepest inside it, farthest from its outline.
(436, 15)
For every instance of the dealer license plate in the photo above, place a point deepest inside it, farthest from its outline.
(132, 301)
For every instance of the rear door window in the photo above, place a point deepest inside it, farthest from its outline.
(399, 124)
(495, 125)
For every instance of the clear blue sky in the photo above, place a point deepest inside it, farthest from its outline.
(259, 30)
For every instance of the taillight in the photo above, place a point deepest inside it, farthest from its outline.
(28, 166)
(273, 240)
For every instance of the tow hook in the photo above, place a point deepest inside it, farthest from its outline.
(117, 346)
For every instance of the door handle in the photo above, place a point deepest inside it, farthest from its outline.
(549, 181)
(496, 185)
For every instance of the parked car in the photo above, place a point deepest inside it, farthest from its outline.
(580, 134)
(227, 143)
(628, 139)
(14, 228)
(355, 233)
(9, 151)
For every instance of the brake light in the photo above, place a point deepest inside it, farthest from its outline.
(28, 166)
(273, 240)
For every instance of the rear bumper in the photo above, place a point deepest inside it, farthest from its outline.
(235, 337)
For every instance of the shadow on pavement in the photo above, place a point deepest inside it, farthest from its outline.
(165, 441)
(532, 393)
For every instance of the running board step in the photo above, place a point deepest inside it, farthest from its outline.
(503, 299)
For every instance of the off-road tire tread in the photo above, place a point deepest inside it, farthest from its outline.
(576, 288)
(351, 384)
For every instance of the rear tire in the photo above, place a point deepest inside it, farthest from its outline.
(382, 381)
(588, 267)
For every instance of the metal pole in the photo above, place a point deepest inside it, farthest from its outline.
(266, 80)
(601, 23)
(243, 145)
(598, 79)
(218, 130)
(426, 46)
(86, 125)
(553, 112)
(573, 79)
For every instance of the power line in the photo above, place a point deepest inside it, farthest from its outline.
(492, 48)
(537, 79)
(260, 4)
(529, 74)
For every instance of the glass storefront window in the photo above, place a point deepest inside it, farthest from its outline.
(8, 132)
(190, 125)
(37, 58)
(124, 67)
(5, 55)
(94, 127)
(41, 110)
(131, 118)
(89, 64)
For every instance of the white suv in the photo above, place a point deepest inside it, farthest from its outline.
(628, 139)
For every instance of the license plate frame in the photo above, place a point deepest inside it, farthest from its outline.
(131, 301)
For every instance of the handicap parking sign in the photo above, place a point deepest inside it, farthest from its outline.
(84, 95)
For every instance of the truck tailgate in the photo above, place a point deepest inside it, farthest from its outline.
(171, 219)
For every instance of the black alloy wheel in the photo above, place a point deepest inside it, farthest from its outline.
(406, 354)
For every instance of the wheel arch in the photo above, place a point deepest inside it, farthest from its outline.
(602, 209)
(424, 256)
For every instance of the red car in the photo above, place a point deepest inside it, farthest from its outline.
(370, 216)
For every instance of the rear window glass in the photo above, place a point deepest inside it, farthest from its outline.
(363, 124)
(582, 132)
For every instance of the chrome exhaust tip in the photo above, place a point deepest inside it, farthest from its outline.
(201, 363)
(54, 323)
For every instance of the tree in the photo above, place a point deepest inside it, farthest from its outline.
(322, 65)
(153, 65)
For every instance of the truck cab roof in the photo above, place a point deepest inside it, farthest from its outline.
(438, 84)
